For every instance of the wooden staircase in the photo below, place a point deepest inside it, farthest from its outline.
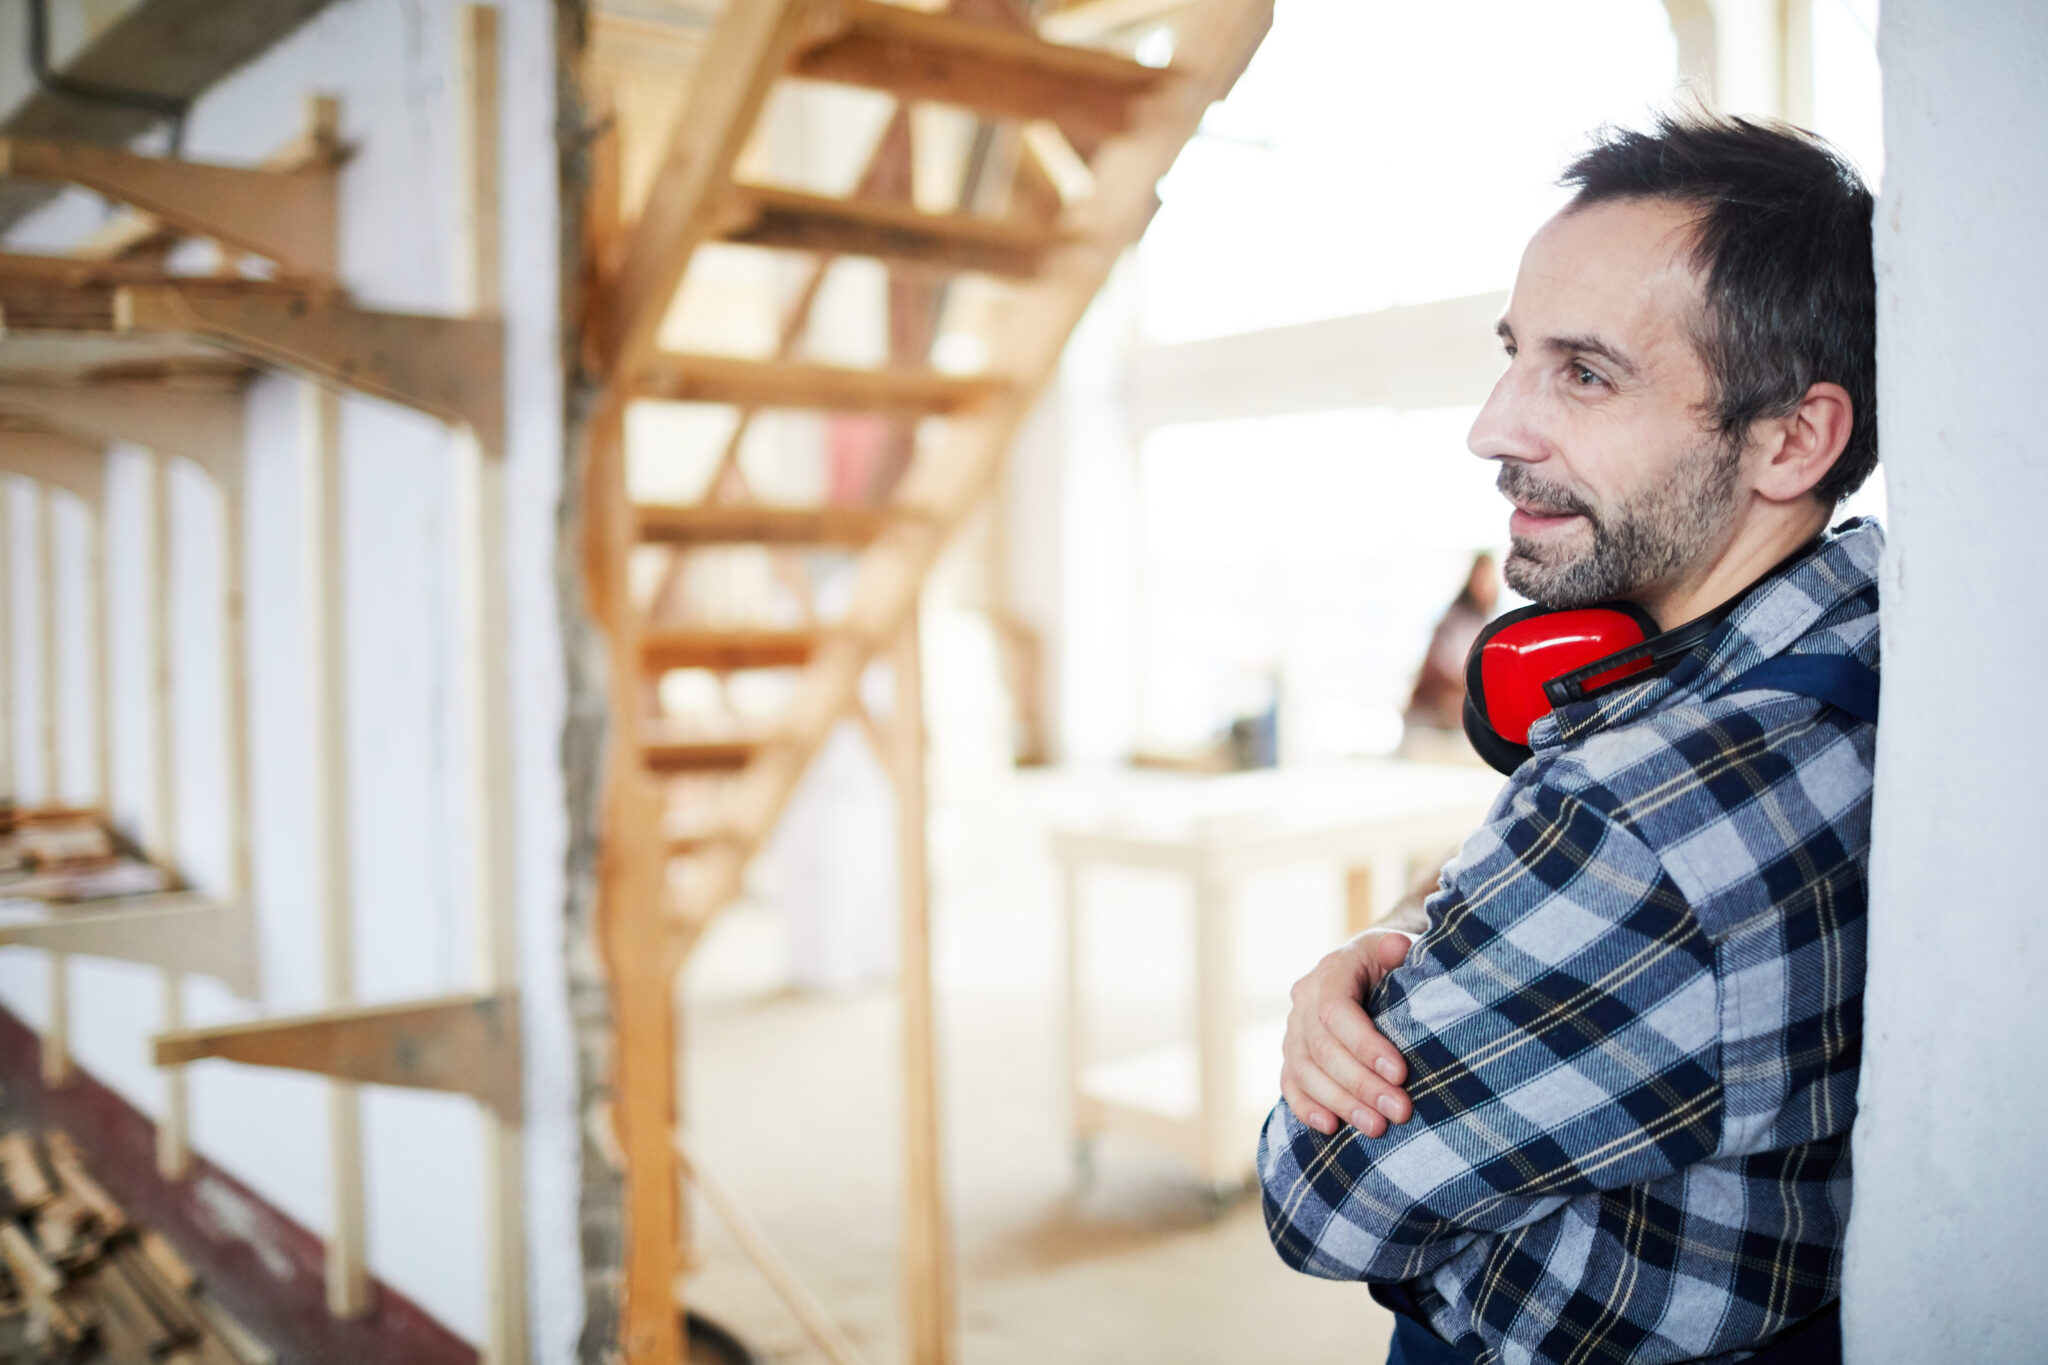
(1071, 142)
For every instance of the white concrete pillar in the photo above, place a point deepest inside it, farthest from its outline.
(1947, 1236)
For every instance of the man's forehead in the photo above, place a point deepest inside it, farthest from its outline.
(1622, 267)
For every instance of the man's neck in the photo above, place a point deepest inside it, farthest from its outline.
(1760, 543)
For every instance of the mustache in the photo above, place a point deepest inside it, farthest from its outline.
(1520, 486)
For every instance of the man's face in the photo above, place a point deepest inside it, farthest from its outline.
(1619, 484)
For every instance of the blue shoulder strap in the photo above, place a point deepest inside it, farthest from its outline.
(1836, 679)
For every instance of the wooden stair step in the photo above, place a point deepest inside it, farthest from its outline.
(793, 220)
(1001, 72)
(725, 650)
(794, 384)
(744, 524)
(671, 757)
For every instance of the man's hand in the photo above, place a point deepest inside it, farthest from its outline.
(1333, 1060)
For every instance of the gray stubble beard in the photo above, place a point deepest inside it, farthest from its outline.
(1640, 540)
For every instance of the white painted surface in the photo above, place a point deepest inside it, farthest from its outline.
(392, 64)
(1948, 1238)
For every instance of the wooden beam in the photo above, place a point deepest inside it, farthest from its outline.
(1001, 72)
(56, 461)
(1089, 19)
(176, 932)
(200, 421)
(901, 234)
(748, 50)
(790, 384)
(725, 650)
(450, 368)
(740, 523)
(460, 1044)
(284, 216)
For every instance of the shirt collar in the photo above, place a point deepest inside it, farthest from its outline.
(1773, 614)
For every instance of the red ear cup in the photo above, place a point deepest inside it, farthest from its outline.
(1517, 654)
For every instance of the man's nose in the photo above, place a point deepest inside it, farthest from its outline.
(1507, 426)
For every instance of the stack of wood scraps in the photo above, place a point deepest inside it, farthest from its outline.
(80, 1281)
(69, 856)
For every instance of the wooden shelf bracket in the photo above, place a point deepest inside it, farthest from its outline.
(286, 216)
(202, 423)
(458, 1044)
(176, 931)
(448, 367)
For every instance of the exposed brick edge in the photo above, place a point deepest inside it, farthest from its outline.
(266, 1271)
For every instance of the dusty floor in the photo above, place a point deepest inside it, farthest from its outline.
(794, 1108)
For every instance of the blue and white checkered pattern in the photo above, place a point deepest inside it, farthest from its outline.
(1634, 1023)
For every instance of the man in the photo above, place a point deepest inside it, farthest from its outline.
(1599, 1111)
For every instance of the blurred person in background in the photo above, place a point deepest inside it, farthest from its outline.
(1599, 1110)
(1432, 725)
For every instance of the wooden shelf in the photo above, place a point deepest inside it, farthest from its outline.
(790, 384)
(459, 1044)
(758, 215)
(995, 71)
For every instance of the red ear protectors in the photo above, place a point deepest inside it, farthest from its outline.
(1532, 660)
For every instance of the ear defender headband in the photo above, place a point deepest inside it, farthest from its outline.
(1539, 658)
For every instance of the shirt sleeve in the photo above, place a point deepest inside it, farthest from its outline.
(1560, 1021)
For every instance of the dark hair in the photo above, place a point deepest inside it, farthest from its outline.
(1783, 242)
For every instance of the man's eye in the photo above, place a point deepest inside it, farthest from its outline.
(1584, 377)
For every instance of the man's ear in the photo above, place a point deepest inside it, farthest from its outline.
(1812, 437)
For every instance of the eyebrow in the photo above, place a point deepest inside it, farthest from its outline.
(1584, 344)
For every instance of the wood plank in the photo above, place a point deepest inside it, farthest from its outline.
(902, 235)
(927, 1254)
(672, 756)
(284, 216)
(1000, 72)
(725, 650)
(484, 674)
(791, 384)
(451, 368)
(458, 1044)
(758, 523)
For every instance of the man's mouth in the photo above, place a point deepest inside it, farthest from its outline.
(1535, 518)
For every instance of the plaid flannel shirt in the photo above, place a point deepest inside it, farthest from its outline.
(1634, 1023)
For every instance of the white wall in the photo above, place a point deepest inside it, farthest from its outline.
(392, 64)
(1950, 1228)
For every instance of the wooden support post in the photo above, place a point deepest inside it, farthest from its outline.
(348, 1280)
(9, 774)
(57, 1037)
(927, 1256)
(10, 784)
(198, 420)
(484, 670)
(1216, 1029)
(173, 1137)
(102, 664)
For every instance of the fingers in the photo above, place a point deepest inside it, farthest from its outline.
(1351, 1089)
(1353, 1039)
